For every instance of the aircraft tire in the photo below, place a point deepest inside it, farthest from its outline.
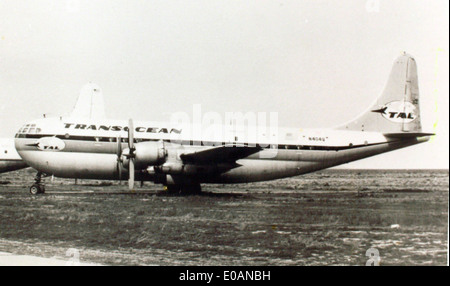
(184, 189)
(173, 189)
(191, 189)
(35, 189)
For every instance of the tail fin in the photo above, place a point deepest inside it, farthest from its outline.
(90, 103)
(397, 109)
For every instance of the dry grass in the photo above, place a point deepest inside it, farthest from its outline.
(325, 218)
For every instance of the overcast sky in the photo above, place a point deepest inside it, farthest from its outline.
(317, 63)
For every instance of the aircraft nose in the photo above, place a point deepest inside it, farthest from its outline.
(18, 144)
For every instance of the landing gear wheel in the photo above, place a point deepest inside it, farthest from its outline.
(191, 189)
(37, 189)
(172, 189)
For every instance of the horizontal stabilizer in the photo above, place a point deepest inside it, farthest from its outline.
(408, 135)
(227, 153)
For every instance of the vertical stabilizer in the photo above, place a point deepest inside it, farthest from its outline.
(397, 109)
(90, 103)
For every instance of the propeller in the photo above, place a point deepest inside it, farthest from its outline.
(119, 157)
(131, 154)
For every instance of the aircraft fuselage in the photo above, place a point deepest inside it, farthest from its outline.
(76, 148)
(9, 159)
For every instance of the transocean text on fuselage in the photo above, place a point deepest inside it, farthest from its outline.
(120, 128)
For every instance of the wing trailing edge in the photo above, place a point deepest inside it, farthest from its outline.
(227, 153)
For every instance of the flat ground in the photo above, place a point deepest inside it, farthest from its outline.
(326, 218)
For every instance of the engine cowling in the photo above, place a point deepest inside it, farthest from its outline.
(146, 154)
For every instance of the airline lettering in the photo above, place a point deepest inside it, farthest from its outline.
(399, 111)
(401, 115)
(120, 128)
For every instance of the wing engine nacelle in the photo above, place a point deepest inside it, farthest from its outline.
(146, 154)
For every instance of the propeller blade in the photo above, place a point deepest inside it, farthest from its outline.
(131, 155)
(130, 134)
(119, 170)
(119, 147)
(131, 170)
(119, 159)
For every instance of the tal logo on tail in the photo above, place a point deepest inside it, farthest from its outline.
(398, 111)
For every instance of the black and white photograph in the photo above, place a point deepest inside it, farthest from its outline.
(236, 134)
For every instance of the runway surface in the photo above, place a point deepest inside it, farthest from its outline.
(332, 217)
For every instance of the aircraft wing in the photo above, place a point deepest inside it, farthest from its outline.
(227, 153)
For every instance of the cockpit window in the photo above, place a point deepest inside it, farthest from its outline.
(29, 129)
(25, 128)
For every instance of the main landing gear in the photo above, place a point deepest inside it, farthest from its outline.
(38, 187)
(191, 189)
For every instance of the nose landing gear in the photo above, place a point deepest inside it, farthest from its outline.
(38, 187)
